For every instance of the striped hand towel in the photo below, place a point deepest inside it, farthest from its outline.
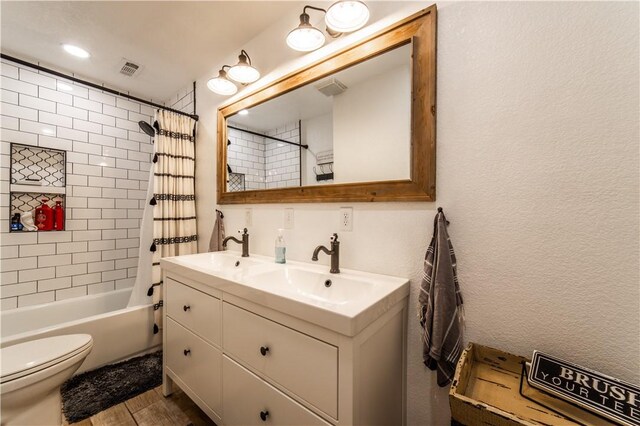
(440, 309)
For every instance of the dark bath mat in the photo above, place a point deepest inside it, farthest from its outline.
(89, 393)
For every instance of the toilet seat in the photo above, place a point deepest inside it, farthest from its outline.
(30, 357)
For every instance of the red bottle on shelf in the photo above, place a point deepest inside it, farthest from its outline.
(44, 216)
(58, 214)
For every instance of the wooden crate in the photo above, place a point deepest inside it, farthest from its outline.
(485, 391)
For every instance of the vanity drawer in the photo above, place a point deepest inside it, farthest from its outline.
(197, 311)
(197, 363)
(247, 397)
(306, 366)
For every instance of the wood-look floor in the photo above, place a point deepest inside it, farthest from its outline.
(151, 409)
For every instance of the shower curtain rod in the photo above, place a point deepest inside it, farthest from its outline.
(96, 86)
(269, 137)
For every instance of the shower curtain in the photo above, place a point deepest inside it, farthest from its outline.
(169, 220)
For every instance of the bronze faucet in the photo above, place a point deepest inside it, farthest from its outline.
(244, 242)
(334, 253)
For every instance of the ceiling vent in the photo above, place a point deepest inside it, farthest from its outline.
(129, 68)
(331, 87)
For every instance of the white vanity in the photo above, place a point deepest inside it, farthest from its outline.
(254, 342)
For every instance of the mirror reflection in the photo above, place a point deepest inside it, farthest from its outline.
(351, 126)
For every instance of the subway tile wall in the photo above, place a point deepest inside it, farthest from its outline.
(283, 160)
(246, 155)
(264, 162)
(108, 162)
(183, 101)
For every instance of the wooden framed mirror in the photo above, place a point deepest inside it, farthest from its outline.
(380, 148)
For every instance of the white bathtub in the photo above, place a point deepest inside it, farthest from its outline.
(118, 332)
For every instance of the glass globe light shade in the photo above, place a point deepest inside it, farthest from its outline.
(305, 37)
(221, 85)
(243, 72)
(347, 15)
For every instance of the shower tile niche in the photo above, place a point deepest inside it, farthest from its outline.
(36, 174)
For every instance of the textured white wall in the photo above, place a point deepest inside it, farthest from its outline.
(537, 170)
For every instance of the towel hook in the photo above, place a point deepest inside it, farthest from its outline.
(221, 215)
(445, 218)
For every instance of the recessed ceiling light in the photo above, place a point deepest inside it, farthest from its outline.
(75, 51)
(65, 87)
(243, 112)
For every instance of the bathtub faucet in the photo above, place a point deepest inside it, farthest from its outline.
(244, 242)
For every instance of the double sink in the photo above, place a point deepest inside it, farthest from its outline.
(345, 303)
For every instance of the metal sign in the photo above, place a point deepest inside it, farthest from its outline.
(604, 395)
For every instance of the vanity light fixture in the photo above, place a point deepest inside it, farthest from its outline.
(342, 16)
(76, 51)
(221, 84)
(243, 72)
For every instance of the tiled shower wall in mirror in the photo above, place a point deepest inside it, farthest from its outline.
(266, 163)
(108, 161)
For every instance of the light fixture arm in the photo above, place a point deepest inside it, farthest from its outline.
(304, 9)
(304, 18)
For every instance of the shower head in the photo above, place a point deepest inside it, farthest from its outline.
(146, 127)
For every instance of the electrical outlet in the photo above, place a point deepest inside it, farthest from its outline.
(248, 217)
(346, 219)
(288, 218)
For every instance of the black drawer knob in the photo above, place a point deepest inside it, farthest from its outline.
(186, 352)
(186, 308)
(263, 415)
(264, 350)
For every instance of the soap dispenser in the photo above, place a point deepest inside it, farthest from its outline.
(281, 248)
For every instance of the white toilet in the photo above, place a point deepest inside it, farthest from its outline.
(32, 373)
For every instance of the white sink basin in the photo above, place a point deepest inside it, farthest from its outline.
(223, 263)
(351, 301)
(317, 286)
